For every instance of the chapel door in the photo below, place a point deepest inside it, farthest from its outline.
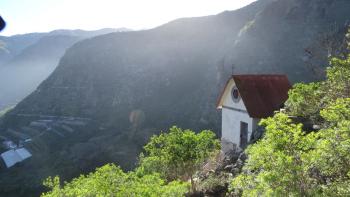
(243, 135)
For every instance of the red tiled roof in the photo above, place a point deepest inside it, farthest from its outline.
(262, 94)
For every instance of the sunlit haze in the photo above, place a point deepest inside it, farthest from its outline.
(24, 16)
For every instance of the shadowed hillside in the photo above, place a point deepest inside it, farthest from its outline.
(114, 91)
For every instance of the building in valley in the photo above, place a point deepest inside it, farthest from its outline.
(13, 156)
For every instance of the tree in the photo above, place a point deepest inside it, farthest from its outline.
(178, 154)
(290, 162)
(330, 157)
(275, 164)
(110, 180)
(304, 100)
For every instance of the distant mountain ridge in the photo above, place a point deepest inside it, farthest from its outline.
(13, 45)
(110, 93)
(26, 60)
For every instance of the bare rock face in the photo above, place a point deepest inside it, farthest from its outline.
(233, 161)
(214, 179)
(127, 86)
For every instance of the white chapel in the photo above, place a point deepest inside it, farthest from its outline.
(245, 100)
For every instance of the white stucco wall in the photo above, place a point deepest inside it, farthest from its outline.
(231, 119)
(231, 122)
(255, 123)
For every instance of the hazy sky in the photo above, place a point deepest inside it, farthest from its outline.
(23, 16)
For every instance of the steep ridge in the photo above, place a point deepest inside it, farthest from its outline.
(111, 92)
(294, 37)
(12, 46)
(26, 60)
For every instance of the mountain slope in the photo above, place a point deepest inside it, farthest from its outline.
(12, 46)
(111, 92)
(292, 36)
(30, 58)
(122, 88)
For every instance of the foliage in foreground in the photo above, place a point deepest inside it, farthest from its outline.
(176, 154)
(110, 180)
(289, 161)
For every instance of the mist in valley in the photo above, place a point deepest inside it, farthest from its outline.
(20, 79)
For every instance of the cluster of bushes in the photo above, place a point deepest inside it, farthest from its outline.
(168, 162)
